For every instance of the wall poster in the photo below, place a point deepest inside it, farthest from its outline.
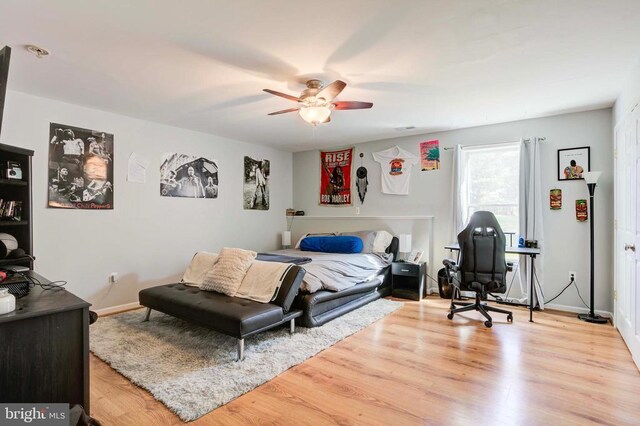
(256, 184)
(430, 155)
(80, 168)
(573, 162)
(335, 177)
(188, 176)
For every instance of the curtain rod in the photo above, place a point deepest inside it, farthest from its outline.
(497, 143)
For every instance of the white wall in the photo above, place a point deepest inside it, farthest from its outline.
(629, 96)
(567, 241)
(147, 239)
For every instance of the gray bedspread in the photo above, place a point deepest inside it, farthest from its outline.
(336, 271)
(277, 257)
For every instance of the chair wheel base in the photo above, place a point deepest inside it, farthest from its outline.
(488, 324)
(450, 315)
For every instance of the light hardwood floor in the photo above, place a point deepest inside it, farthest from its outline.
(417, 367)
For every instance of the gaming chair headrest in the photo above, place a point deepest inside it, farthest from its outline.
(482, 223)
(482, 248)
(486, 219)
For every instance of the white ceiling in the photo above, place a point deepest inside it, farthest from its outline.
(436, 65)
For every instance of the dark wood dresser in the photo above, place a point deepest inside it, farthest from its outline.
(44, 348)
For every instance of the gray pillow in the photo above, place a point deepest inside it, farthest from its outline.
(367, 237)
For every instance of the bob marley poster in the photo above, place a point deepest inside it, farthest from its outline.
(335, 177)
(80, 168)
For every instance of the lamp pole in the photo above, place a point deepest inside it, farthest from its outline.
(592, 178)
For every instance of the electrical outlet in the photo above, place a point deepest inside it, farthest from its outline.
(113, 277)
(573, 276)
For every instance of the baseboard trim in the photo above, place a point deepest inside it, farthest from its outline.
(117, 309)
(576, 310)
(553, 306)
(565, 308)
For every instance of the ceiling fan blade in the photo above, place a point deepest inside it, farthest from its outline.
(282, 95)
(284, 111)
(332, 90)
(352, 105)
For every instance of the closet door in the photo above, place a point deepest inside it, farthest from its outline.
(627, 232)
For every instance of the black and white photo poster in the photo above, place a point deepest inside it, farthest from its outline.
(80, 168)
(256, 184)
(188, 176)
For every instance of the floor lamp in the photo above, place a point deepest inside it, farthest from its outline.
(591, 178)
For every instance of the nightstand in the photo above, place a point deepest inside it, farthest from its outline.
(408, 280)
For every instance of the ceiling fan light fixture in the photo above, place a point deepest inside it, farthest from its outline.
(315, 115)
(317, 101)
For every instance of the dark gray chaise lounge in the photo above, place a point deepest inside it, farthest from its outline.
(232, 316)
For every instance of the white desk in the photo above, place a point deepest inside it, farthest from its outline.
(524, 251)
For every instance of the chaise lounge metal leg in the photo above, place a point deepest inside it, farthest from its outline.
(147, 315)
(292, 326)
(240, 350)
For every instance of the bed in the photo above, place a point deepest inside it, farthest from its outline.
(320, 305)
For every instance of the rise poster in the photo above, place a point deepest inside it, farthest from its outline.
(335, 177)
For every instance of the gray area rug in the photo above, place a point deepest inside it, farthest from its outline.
(192, 370)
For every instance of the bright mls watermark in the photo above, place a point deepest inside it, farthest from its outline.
(34, 414)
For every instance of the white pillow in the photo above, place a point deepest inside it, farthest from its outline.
(382, 241)
(229, 270)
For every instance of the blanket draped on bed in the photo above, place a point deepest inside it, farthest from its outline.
(336, 271)
(263, 280)
(276, 257)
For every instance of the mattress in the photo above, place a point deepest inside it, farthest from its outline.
(323, 306)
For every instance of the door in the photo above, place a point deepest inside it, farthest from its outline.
(627, 233)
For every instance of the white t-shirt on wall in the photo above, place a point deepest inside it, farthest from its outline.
(396, 166)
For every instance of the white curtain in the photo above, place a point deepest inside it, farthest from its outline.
(457, 191)
(530, 212)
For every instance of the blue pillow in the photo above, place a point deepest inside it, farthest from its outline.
(332, 244)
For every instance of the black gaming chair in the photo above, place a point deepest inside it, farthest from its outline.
(482, 267)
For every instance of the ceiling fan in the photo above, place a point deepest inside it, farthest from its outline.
(316, 101)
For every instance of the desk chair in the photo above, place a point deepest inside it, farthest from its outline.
(482, 267)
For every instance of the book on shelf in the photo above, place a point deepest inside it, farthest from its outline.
(10, 210)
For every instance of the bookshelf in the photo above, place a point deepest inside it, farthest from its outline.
(17, 190)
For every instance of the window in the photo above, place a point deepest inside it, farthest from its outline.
(491, 182)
